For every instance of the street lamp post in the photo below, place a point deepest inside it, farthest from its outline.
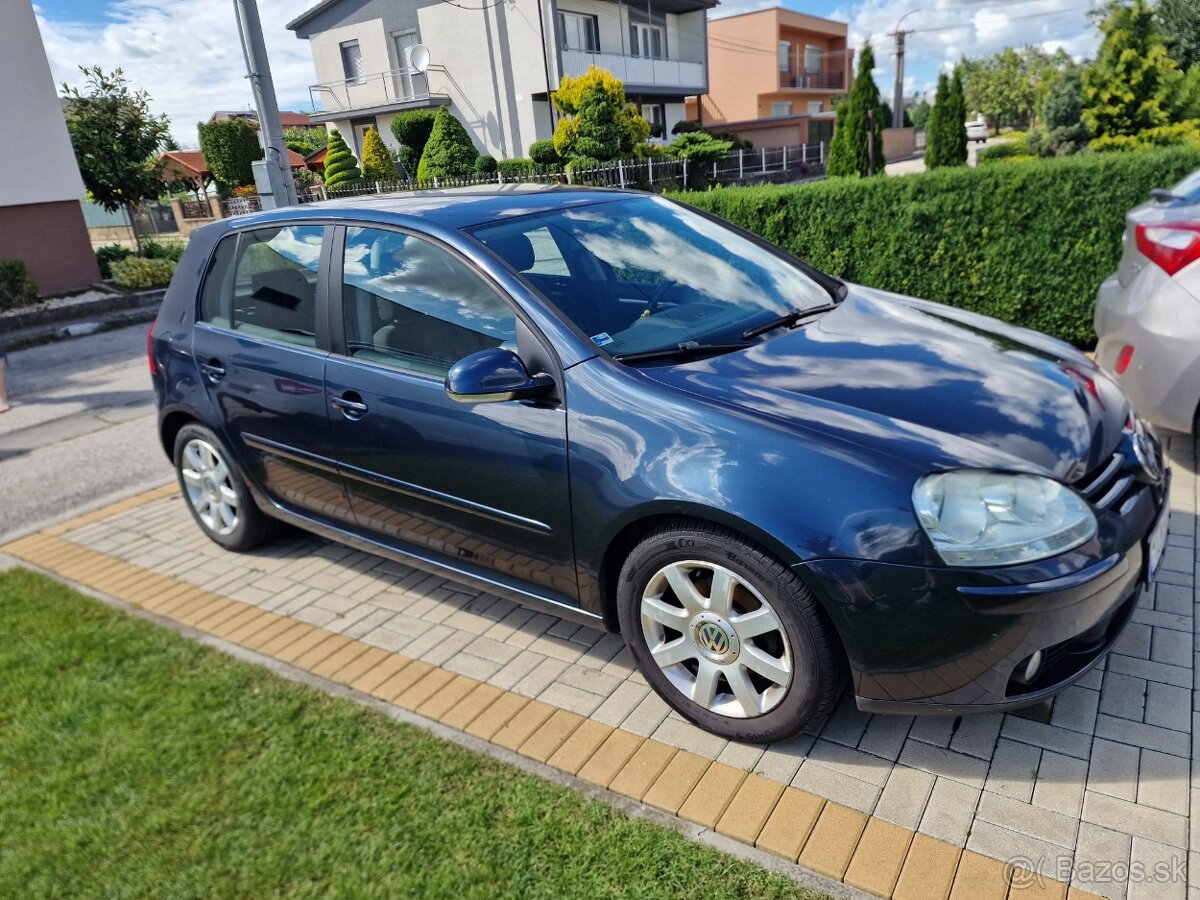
(898, 90)
(274, 173)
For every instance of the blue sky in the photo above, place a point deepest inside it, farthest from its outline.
(186, 52)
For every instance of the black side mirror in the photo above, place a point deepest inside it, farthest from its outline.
(491, 376)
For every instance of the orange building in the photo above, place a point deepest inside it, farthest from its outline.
(776, 65)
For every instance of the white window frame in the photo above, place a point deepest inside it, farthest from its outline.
(781, 108)
(345, 46)
(785, 56)
(811, 50)
(573, 26)
(819, 107)
(641, 45)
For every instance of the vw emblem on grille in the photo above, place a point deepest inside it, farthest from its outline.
(1143, 449)
(713, 638)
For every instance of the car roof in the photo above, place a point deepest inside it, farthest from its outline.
(456, 208)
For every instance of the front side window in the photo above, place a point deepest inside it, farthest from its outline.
(411, 305)
(264, 283)
(648, 274)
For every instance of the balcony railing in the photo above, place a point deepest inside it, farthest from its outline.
(380, 89)
(637, 69)
(818, 81)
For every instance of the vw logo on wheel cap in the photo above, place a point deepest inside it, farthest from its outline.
(713, 638)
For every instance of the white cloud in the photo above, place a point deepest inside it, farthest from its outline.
(185, 53)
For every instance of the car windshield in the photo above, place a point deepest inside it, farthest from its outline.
(646, 274)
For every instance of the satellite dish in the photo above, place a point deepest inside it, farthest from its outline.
(418, 57)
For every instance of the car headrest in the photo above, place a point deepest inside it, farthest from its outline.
(281, 287)
(515, 249)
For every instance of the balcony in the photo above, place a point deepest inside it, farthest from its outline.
(687, 77)
(383, 89)
(814, 81)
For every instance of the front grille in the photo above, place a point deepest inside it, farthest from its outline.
(1108, 483)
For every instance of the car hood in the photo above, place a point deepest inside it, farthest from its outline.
(944, 386)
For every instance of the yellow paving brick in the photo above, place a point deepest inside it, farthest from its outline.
(360, 665)
(579, 747)
(280, 639)
(1075, 893)
(495, 715)
(928, 870)
(88, 569)
(979, 878)
(261, 629)
(135, 581)
(790, 823)
(331, 665)
(550, 735)
(179, 601)
(1025, 885)
(29, 544)
(465, 710)
(216, 619)
(876, 863)
(117, 581)
(159, 599)
(833, 840)
(676, 781)
(444, 699)
(293, 652)
(328, 646)
(712, 794)
(244, 623)
(202, 609)
(750, 808)
(150, 589)
(371, 680)
(642, 769)
(518, 729)
(610, 757)
(411, 692)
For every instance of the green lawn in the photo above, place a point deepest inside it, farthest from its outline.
(136, 763)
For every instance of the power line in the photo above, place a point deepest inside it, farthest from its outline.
(1038, 15)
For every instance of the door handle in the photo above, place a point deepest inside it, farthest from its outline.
(351, 405)
(213, 370)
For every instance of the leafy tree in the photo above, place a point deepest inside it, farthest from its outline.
(886, 109)
(857, 146)
(1063, 131)
(412, 129)
(116, 139)
(920, 115)
(450, 152)
(377, 164)
(305, 141)
(1133, 85)
(229, 147)
(1180, 24)
(1002, 86)
(341, 168)
(947, 141)
(597, 121)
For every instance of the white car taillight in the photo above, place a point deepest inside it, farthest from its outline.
(1170, 245)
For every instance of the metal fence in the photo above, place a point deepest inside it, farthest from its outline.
(793, 163)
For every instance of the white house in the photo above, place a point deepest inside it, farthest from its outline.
(41, 221)
(495, 63)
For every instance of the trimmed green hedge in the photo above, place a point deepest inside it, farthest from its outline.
(137, 272)
(1027, 243)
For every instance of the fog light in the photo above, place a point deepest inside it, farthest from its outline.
(1032, 664)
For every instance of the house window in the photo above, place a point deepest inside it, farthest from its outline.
(781, 108)
(785, 55)
(647, 40)
(579, 32)
(656, 115)
(812, 58)
(814, 106)
(352, 60)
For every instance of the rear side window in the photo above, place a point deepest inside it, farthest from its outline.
(264, 283)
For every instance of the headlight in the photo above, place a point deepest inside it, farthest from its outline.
(978, 518)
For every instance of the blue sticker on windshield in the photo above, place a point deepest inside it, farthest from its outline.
(601, 339)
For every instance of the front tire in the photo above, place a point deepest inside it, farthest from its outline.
(727, 634)
(216, 493)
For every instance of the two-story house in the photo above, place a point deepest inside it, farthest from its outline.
(778, 65)
(496, 63)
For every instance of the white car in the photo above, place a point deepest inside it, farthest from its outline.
(977, 132)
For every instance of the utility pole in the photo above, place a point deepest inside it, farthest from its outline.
(898, 90)
(274, 173)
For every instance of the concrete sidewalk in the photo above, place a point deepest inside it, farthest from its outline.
(1094, 792)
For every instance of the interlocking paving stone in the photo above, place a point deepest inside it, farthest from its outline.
(750, 808)
(875, 865)
(610, 757)
(950, 811)
(1135, 819)
(676, 781)
(641, 770)
(928, 870)
(791, 822)
(833, 840)
(712, 793)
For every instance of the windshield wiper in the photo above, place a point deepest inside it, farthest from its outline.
(788, 319)
(686, 350)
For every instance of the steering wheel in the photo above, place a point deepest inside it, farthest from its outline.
(659, 292)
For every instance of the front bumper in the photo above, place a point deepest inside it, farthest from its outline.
(952, 641)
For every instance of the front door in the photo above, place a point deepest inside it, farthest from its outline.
(262, 356)
(481, 484)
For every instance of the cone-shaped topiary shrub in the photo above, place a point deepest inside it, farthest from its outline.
(377, 164)
(449, 153)
(341, 168)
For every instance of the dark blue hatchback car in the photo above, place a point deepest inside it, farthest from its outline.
(630, 413)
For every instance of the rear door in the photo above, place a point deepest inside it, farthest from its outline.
(261, 340)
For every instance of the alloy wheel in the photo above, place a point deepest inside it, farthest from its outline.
(209, 486)
(716, 639)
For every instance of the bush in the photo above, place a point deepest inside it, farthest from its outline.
(450, 152)
(686, 126)
(1179, 134)
(168, 249)
(515, 169)
(109, 254)
(377, 163)
(412, 130)
(649, 151)
(341, 168)
(544, 154)
(16, 287)
(699, 145)
(1027, 244)
(1006, 150)
(485, 164)
(136, 272)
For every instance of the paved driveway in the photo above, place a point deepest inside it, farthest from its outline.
(1094, 790)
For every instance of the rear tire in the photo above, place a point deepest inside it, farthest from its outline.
(216, 493)
(727, 634)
